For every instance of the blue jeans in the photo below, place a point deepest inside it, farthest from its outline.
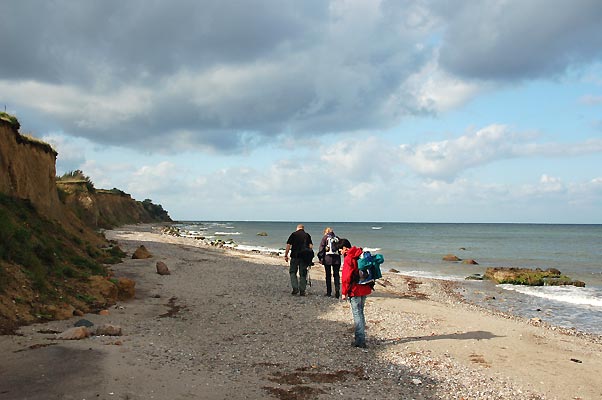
(357, 308)
(297, 264)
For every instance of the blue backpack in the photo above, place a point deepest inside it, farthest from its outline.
(369, 267)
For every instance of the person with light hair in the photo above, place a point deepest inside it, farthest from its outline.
(328, 255)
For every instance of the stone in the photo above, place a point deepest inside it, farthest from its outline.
(84, 322)
(141, 253)
(162, 268)
(108, 330)
(75, 333)
(60, 311)
(103, 312)
(470, 261)
(262, 234)
(451, 257)
(102, 290)
(126, 288)
(530, 277)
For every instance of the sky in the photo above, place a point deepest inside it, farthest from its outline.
(317, 110)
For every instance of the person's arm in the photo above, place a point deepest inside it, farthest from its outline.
(288, 248)
(346, 274)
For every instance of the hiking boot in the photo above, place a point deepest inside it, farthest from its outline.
(327, 295)
(360, 345)
(302, 293)
(337, 295)
(295, 291)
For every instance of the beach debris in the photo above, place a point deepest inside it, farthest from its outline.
(576, 360)
(162, 268)
(75, 333)
(451, 257)
(530, 277)
(109, 330)
(141, 253)
(84, 322)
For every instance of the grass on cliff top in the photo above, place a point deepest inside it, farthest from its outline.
(11, 119)
(46, 253)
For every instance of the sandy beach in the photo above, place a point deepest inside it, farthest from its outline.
(223, 325)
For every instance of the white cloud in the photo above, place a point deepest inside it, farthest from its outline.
(437, 91)
(448, 158)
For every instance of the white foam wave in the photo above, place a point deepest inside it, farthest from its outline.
(565, 294)
(260, 249)
(227, 233)
(430, 275)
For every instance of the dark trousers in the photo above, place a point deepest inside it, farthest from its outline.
(332, 271)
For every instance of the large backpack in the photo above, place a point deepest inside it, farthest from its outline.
(369, 267)
(332, 245)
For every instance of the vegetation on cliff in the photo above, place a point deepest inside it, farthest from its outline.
(100, 208)
(42, 265)
(54, 263)
(11, 119)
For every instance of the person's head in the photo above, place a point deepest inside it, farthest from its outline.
(327, 230)
(300, 227)
(344, 246)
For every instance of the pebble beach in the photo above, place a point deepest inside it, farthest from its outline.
(223, 325)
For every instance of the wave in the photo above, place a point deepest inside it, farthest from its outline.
(564, 294)
(227, 233)
(260, 249)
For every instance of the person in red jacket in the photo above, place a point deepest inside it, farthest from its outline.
(355, 292)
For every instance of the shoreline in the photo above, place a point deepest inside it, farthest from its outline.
(224, 325)
(494, 298)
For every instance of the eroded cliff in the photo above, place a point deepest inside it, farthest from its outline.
(54, 263)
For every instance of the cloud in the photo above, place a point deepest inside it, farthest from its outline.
(445, 160)
(228, 76)
(209, 75)
(516, 40)
(591, 100)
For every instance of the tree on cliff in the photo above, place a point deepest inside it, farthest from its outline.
(78, 176)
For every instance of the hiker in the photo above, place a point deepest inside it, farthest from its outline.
(300, 246)
(355, 292)
(328, 254)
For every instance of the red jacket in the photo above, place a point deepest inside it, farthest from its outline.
(350, 275)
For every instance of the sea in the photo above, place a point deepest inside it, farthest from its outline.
(417, 249)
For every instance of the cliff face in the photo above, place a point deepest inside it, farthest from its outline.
(52, 258)
(108, 208)
(27, 170)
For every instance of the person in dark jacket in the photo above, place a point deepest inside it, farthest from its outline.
(298, 243)
(328, 254)
(352, 290)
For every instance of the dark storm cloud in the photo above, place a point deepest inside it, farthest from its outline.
(65, 40)
(228, 75)
(516, 39)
